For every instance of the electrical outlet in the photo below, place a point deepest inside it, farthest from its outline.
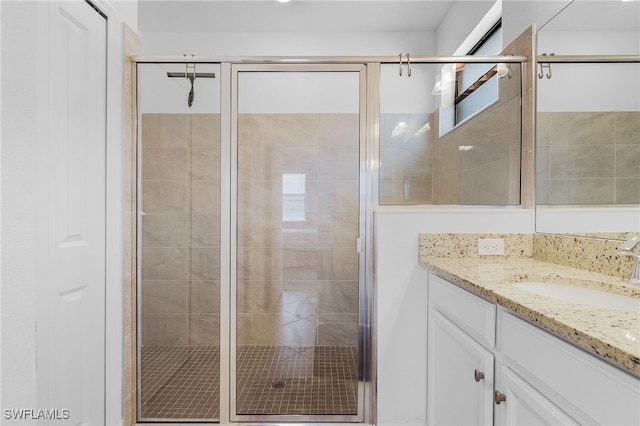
(491, 247)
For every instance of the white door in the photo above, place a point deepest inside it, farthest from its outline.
(460, 373)
(71, 318)
(523, 405)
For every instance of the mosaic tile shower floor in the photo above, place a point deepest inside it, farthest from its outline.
(183, 382)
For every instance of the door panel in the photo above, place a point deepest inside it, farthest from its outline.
(73, 276)
(297, 221)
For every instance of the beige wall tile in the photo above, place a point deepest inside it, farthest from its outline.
(205, 297)
(165, 230)
(205, 264)
(259, 296)
(160, 297)
(205, 230)
(164, 196)
(575, 161)
(628, 191)
(304, 265)
(164, 163)
(627, 161)
(205, 329)
(165, 329)
(165, 130)
(525, 46)
(205, 163)
(582, 128)
(337, 330)
(283, 329)
(509, 88)
(164, 263)
(543, 128)
(339, 297)
(495, 183)
(205, 130)
(265, 264)
(581, 191)
(448, 190)
(338, 197)
(339, 130)
(627, 127)
(205, 196)
(338, 231)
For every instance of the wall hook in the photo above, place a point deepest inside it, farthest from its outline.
(545, 65)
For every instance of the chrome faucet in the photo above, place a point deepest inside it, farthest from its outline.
(625, 250)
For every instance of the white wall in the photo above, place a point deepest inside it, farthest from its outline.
(518, 15)
(23, 91)
(402, 298)
(288, 44)
(19, 100)
(612, 87)
(458, 23)
(127, 11)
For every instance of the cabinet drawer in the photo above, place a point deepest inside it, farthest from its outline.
(470, 312)
(589, 388)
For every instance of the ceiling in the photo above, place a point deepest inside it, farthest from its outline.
(609, 15)
(195, 16)
(295, 16)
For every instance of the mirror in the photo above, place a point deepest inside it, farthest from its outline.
(588, 122)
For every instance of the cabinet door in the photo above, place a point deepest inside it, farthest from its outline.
(454, 396)
(523, 405)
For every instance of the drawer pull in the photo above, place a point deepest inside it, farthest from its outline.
(478, 375)
(499, 397)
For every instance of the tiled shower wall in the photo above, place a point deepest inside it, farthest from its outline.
(588, 157)
(298, 279)
(180, 229)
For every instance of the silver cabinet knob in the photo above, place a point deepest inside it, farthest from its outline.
(478, 375)
(499, 397)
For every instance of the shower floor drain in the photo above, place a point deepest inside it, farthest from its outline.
(278, 384)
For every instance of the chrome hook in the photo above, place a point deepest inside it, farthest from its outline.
(547, 66)
(400, 71)
(408, 66)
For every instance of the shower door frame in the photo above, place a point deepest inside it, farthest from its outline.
(363, 245)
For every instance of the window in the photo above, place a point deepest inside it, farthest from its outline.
(293, 190)
(476, 85)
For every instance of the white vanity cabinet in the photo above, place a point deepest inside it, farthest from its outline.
(460, 386)
(488, 366)
(459, 368)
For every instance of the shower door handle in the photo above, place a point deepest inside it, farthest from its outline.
(359, 245)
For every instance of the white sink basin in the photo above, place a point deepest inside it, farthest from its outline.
(582, 295)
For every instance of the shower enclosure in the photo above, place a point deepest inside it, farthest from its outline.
(256, 188)
(251, 218)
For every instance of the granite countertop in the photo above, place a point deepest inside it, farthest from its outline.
(611, 334)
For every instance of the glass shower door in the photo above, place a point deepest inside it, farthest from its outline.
(178, 339)
(297, 289)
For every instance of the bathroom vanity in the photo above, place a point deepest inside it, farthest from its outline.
(500, 353)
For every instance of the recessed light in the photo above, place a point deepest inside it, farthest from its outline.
(283, 1)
